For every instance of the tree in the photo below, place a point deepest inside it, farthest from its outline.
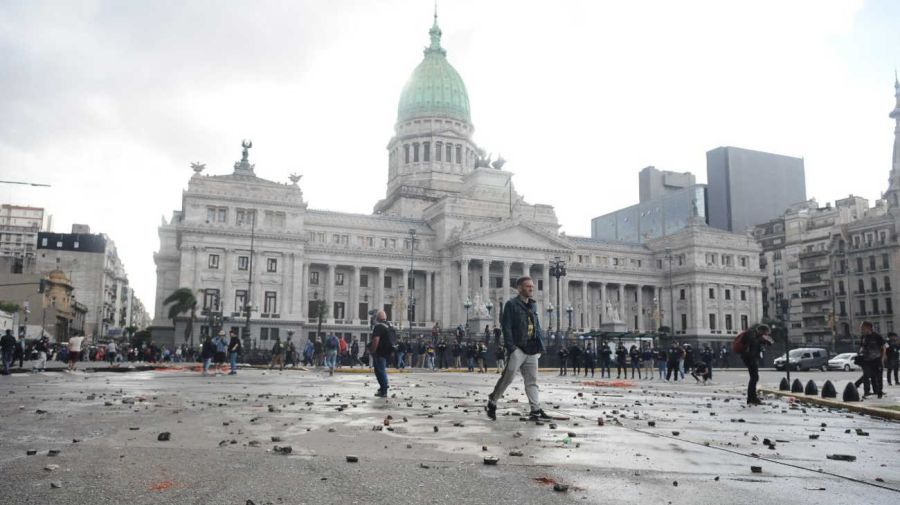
(10, 307)
(140, 338)
(183, 300)
(321, 311)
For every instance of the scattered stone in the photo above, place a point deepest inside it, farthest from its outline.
(283, 450)
(675, 483)
(30, 452)
(435, 429)
(516, 453)
(676, 433)
(813, 437)
(164, 436)
(276, 439)
(560, 488)
(651, 423)
(53, 452)
(491, 460)
(756, 469)
(352, 459)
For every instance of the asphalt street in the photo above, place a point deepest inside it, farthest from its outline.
(658, 442)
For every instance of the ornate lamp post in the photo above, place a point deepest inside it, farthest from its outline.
(489, 305)
(671, 295)
(557, 269)
(550, 317)
(467, 304)
(569, 310)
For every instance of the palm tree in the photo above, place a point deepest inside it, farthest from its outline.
(183, 300)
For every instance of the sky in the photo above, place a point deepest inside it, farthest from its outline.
(111, 101)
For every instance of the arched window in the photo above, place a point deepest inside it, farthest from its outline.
(405, 153)
(437, 150)
(426, 151)
(415, 152)
(874, 283)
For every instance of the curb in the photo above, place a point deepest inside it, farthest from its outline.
(892, 415)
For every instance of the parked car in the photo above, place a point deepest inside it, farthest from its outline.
(804, 359)
(843, 362)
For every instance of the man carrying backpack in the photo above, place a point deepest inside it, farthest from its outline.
(331, 350)
(383, 336)
(749, 345)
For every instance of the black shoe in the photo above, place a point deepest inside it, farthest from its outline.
(538, 415)
(381, 394)
(491, 409)
(754, 402)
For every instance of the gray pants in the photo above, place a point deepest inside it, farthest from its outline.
(528, 365)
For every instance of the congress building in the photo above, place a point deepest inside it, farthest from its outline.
(444, 246)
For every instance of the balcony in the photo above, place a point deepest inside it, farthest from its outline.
(813, 254)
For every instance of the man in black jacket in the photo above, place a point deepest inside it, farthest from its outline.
(892, 358)
(753, 341)
(524, 345)
(871, 354)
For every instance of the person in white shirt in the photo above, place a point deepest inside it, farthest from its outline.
(111, 351)
(75, 351)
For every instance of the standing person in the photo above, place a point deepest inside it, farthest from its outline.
(277, 355)
(605, 360)
(19, 352)
(207, 352)
(575, 358)
(290, 355)
(234, 348)
(872, 354)
(342, 350)
(75, 344)
(892, 358)
(429, 356)
(522, 337)
(42, 346)
(723, 357)
(590, 357)
(401, 353)
(457, 354)
(635, 355)
(647, 358)
(111, 351)
(482, 357)
(221, 351)
(673, 356)
(332, 346)
(381, 348)
(687, 360)
(497, 335)
(621, 361)
(7, 348)
(471, 354)
(500, 356)
(660, 357)
(442, 353)
(354, 353)
(707, 358)
(309, 353)
(563, 355)
(753, 341)
(318, 351)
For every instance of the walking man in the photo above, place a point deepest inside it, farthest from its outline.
(7, 347)
(331, 351)
(872, 354)
(111, 352)
(892, 358)
(42, 347)
(75, 351)
(381, 349)
(753, 341)
(234, 347)
(524, 345)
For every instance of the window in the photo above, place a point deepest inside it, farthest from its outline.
(437, 153)
(264, 334)
(862, 308)
(860, 286)
(240, 299)
(885, 261)
(271, 265)
(875, 306)
(415, 152)
(682, 294)
(271, 302)
(387, 281)
(743, 295)
(363, 313)
(859, 265)
(683, 322)
(458, 155)
(888, 306)
(211, 299)
(210, 214)
(743, 261)
(841, 289)
(659, 264)
(76, 244)
(363, 280)
(411, 281)
(728, 322)
(871, 262)
(243, 262)
(744, 322)
(712, 293)
(338, 310)
(728, 294)
(405, 153)
(221, 215)
(244, 217)
(843, 308)
(887, 283)
(393, 243)
(274, 219)
(449, 153)
(712, 321)
(339, 280)
(426, 151)
(314, 278)
(44, 242)
(874, 284)
(214, 261)
(540, 285)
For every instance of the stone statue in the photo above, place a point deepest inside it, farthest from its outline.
(481, 161)
(245, 154)
(616, 316)
(499, 162)
(479, 308)
(608, 311)
(198, 167)
(295, 178)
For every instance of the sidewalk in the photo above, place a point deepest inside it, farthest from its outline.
(887, 407)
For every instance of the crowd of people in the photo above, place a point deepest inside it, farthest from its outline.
(649, 362)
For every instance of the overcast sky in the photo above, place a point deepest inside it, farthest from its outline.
(110, 102)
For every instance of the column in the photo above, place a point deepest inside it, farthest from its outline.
(379, 288)
(403, 292)
(446, 292)
(526, 269)
(300, 280)
(464, 274)
(585, 309)
(640, 309)
(702, 295)
(428, 287)
(352, 311)
(329, 290)
(720, 308)
(506, 286)
(601, 302)
(196, 268)
(256, 290)
(564, 299)
(287, 291)
(547, 297)
(486, 279)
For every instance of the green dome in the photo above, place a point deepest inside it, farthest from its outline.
(435, 88)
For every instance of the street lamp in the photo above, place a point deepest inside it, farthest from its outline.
(557, 269)
(671, 295)
(550, 317)
(489, 305)
(411, 306)
(318, 313)
(569, 310)
(467, 304)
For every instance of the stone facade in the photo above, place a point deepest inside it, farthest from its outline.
(450, 232)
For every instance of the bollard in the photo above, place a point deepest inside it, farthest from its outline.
(828, 390)
(851, 394)
(797, 386)
(811, 388)
(784, 385)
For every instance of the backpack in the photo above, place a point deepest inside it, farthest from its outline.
(738, 345)
(388, 344)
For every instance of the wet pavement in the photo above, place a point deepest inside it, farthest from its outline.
(647, 440)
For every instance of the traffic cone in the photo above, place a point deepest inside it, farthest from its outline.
(828, 390)
(784, 385)
(811, 389)
(797, 386)
(851, 394)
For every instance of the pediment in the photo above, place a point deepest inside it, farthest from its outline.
(514, 235)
